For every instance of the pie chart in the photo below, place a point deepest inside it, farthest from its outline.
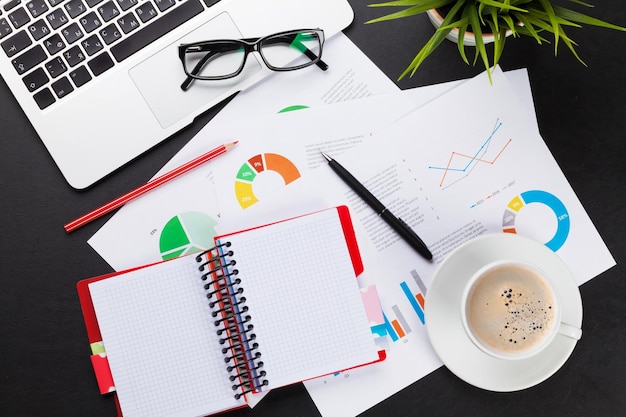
(186, 233)
(556, 206)
(267, 170)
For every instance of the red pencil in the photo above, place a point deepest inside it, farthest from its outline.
(150, 185)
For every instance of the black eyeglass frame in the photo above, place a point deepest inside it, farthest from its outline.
(249, 45)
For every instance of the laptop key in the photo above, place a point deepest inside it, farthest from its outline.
(100, 64)
(74, 56)
(56, 67)
(44, 98)
(62, 87)
(128, 23)
(13, 3)
(156, 29)
(57, 18)
(110, 34)
(54, 44)
(72, 33)
(90, 22)
(16, 43)
(75, 8)
(36, 79)
(26, 61)
(126, 4)
(80, 76)
(19, 17)
(92, 44)
(108, 11)
(37, 7)
(145, 12)
(5, 28)
(39, 29)
(163, 5)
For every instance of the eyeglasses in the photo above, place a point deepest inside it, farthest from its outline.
(226, 58)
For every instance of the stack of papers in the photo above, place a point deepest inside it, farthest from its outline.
(455, 161)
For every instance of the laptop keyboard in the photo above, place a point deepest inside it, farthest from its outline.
(58, 46)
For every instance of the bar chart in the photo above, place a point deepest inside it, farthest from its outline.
(396, 318)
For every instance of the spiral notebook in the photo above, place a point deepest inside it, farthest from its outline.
(266, 307)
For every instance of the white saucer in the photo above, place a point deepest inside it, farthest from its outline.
(445, 328)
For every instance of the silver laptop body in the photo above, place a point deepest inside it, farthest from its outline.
(100, 79)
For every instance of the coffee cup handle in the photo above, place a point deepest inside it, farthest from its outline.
(570, 331)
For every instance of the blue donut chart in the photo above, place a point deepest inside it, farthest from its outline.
(541, 197)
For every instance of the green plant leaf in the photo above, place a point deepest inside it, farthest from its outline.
(461, 43)
(426, 50)
(544, 17)
(539, 23)
(570, 45)
(406, 3)
(481, 51)
(584, 19)
(510, 23)
(498, 43)
(462, 31)
(435, 40)
(582, 3)
(547, 6)
(499, 6)
(411, 11)
(495, 20)
(533, 18)
(528, 28)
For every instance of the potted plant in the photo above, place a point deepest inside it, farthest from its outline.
(480, 22)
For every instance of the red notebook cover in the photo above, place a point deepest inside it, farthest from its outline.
(103, 374)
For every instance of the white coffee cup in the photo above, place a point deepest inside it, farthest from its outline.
(510, 310)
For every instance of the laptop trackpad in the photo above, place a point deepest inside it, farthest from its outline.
(159, 77)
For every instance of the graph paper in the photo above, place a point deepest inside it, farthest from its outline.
(302, 296)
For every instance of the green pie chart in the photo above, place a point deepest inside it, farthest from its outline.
(186, 233)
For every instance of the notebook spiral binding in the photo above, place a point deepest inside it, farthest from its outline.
(233, 323)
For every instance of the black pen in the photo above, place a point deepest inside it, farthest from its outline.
(396, 223)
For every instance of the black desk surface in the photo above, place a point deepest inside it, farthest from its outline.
(44, 354)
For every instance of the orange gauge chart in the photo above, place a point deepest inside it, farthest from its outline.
(263, 172)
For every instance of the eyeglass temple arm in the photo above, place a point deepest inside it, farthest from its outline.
(213, 53)
(321, 64)
(205, 59)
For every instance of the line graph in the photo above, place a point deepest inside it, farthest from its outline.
(464, 164)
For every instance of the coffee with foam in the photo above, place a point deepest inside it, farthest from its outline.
(511, 309)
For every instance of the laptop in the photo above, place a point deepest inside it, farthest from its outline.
(100, 79)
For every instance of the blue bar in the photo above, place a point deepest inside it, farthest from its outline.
(390, 331)
(413, 301)
(379, 330)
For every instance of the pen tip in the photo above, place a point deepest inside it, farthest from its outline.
(325, 156)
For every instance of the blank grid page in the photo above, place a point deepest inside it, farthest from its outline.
(161, 343)
(303, 298)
